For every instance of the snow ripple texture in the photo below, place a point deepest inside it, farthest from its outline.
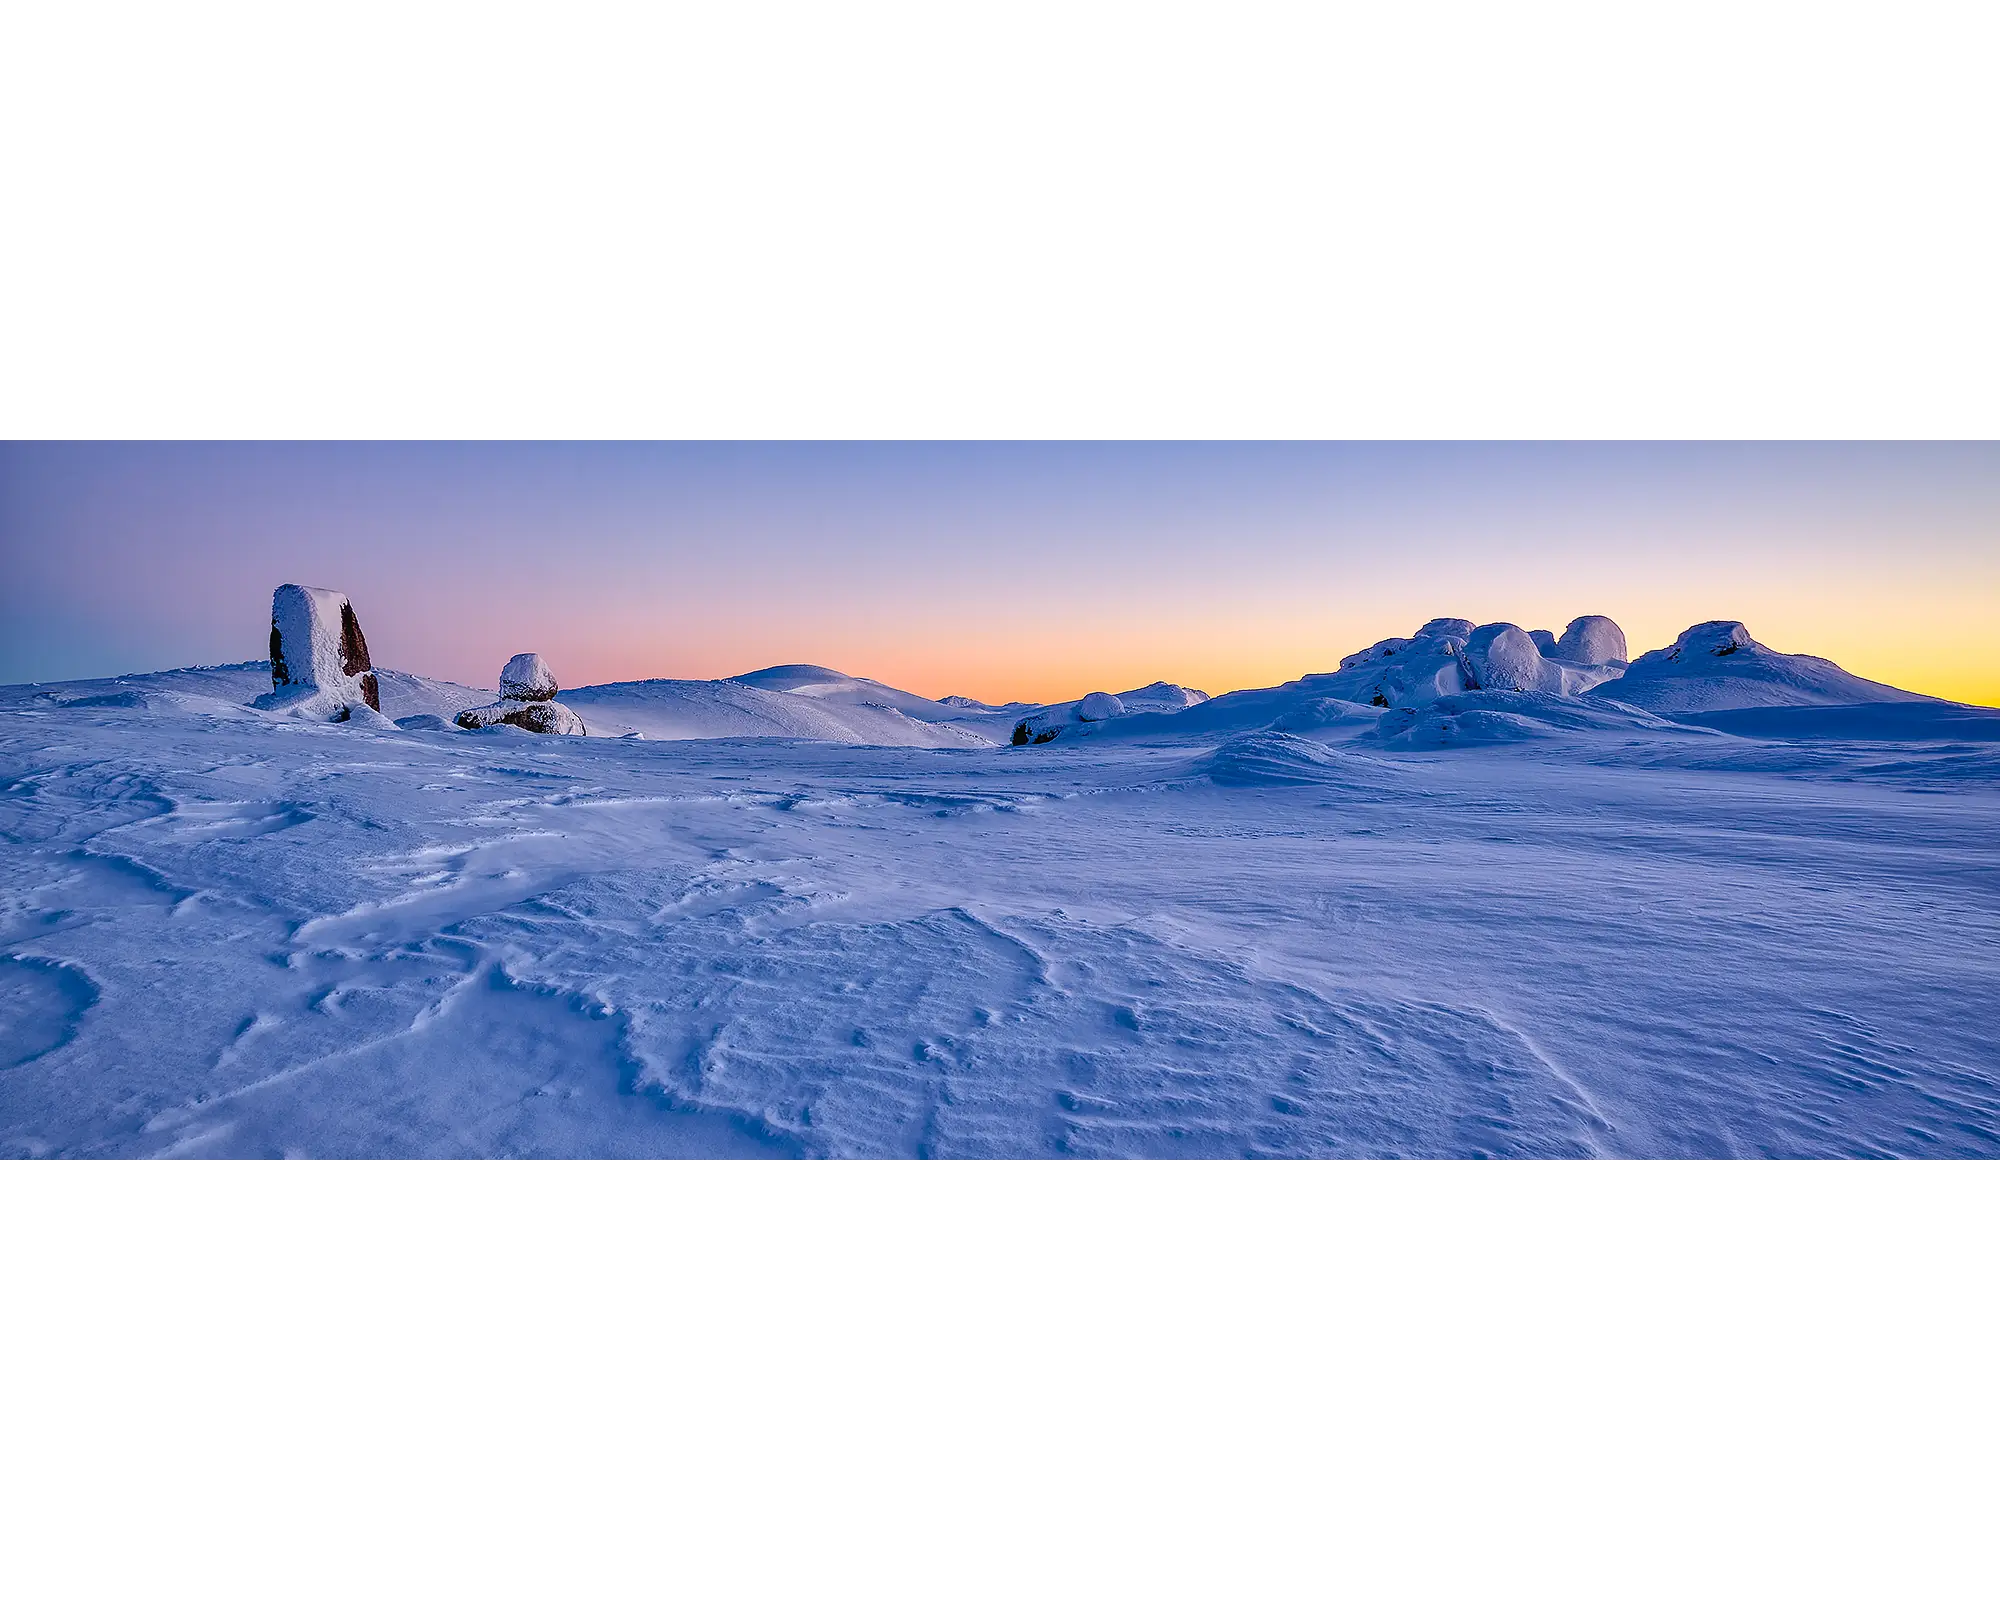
(224, 935)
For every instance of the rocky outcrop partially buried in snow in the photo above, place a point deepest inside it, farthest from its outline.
(1717, 666)
(1043, 726)
(319, 658)
(1449, 656)
(1051, 721)
(527, 700)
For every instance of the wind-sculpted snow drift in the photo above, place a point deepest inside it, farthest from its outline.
(1512, 912)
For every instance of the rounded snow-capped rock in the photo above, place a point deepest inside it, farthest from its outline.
(1591, 642)
(527, 677)
(527, 700)
(1710, 638)
(319, 656)
(1445, 628)
(1380, 650)
(1099, 707)
(1502, 656)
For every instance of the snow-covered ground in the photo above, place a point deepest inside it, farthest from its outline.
(1278, 923)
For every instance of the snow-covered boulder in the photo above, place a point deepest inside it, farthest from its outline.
(527, 677)
(319, 659)
(1500, 656)
(527, 700)
(1590, 642)
(1430, 668)
(1160, 696)
(1099, 707)
(537, 716)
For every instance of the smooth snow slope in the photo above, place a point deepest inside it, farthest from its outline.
(727, 708)
(1366, 933)
(824, 684)
(225, 689)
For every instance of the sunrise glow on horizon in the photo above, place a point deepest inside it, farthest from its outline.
(1001, 571)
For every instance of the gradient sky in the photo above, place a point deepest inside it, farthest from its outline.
(1004, 571)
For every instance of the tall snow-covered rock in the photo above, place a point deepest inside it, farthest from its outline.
(527, 700)
(319, 657)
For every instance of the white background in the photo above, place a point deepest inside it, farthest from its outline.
(930, 221)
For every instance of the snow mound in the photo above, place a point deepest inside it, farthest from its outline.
(809, 682)
(1274, 758)
(235, 688)
(405, 694)
(1490, 717)
(1160, 696)
(320, 669)
(159, 701)
(1717, 666)
(727, 708)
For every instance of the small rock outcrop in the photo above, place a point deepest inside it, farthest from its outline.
(1449, 656)
(527, 700)
(319, 657)
(1046, 724)
(1708, 638)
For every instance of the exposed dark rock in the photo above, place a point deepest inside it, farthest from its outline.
(527, 700)
(527, 677)
(319, 656)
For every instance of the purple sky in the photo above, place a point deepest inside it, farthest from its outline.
(1003, 571)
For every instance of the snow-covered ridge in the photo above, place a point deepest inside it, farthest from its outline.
(1717, 666)
(1713, 670)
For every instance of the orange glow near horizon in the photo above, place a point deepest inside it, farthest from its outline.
(1031, 572)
